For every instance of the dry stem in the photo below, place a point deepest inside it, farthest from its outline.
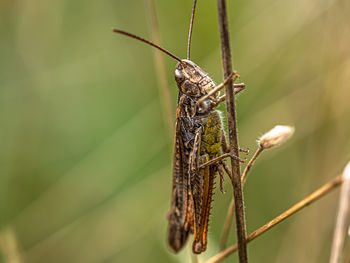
(164, 89)
(250, 164)
(231, 209)
(325, 189)
(341, 227)
(232, 127)
(9, 246)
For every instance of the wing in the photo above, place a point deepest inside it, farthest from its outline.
(181, 215)
(178, 231)
(196, 178)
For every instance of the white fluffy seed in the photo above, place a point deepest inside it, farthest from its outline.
(277, 135)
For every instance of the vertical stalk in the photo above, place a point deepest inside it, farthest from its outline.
(232, 127)
(163, 85)
(230, 211)
(9, 247)
(342, 218)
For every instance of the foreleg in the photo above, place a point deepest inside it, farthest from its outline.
(236, 89)
(234, 75)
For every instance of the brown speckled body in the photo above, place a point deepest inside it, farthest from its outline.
(198, 139)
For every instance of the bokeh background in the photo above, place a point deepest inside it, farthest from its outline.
(85, 150)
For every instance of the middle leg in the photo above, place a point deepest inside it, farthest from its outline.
(225, 147)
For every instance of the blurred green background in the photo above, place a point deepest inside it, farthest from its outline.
(85, 172)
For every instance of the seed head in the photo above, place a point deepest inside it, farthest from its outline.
(277, 135)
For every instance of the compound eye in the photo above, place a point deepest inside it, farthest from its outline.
(179, 76)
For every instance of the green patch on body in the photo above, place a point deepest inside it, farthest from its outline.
(211, 137)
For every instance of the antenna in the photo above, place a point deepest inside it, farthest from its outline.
(190, 31)
(147, 42)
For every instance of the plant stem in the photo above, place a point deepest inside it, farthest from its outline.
(9, 246)
(163, 85)
(325, 189)
(232, 127)
(341, 226)
(250, 164)
(231, 209)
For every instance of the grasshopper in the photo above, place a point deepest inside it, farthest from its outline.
(199, 148)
